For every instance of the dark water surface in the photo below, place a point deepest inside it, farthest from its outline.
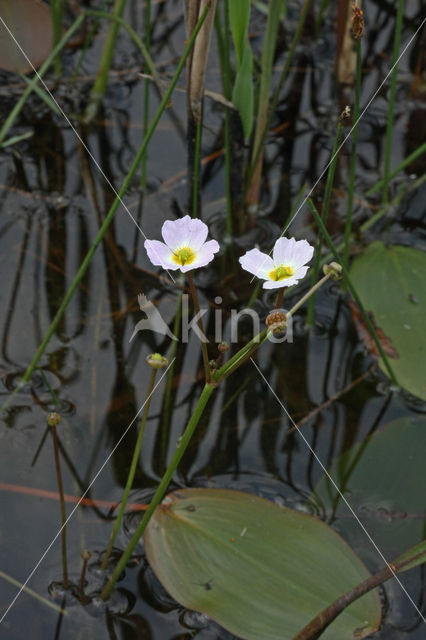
(52, 201)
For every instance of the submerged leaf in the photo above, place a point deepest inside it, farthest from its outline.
(260, 570)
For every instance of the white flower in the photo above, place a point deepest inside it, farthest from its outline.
(285, 268)
(184, 245)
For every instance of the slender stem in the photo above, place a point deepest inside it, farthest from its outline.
(311, 291)
(146, 88)
(132, 471)
(353, 292)
(283, 76)
(247, 351)
(57, 10)
(100, 84)
(324, 216)
(161, 490)
(352, 169)
(227, 93)
(200, 326)
(62, 505)
(110, 216)
(405, 163)
(392, 94)
(279, 300)
(40, 73)
(196, 175)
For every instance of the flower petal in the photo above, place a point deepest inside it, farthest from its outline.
(300, 273)
(198, 234)
(292, 253)
(176, 233)
(160, 254)
(283, 251)
(203, 256)
(257, 263)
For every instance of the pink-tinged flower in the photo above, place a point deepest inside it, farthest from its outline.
(285, 268)
(184, 245)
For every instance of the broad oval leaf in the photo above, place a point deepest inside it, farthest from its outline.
(390, 283)
(383, 478)
(260, 570)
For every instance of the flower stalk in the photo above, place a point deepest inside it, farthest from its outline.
(161, 489)
(53, 419)
(155, 361)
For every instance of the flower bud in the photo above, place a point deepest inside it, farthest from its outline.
(334, 268)
(157, 361)
(357, 22)
(53, 419)
(223, 347)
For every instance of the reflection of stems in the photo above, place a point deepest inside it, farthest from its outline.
(162, 488)
(132, 472)
(52, 420)
(200, 326)
(111, 213)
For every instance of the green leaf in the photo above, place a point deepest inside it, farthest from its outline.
(260, 570)
(243, 92)
(239, 16)
(390, 283)
(383, 480)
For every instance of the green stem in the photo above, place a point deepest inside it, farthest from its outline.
(227, 91)
(200, 326)
(324, 216)
(99, 87)
(132, 471)
(353, 291)
(146, 89)
(392, 93)
(405, 163)
(161, 490)
(57, 10)
(352, 169)
(195, 181)
(34, 81)
(110, 216)
(62, 505)
(283, 76)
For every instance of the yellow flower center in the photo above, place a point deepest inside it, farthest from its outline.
(183, 256)
(280, 273)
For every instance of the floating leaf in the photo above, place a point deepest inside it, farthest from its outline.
(383, 479)
(260, 570)
(390, 283)
(365, 335)
(30, 22)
